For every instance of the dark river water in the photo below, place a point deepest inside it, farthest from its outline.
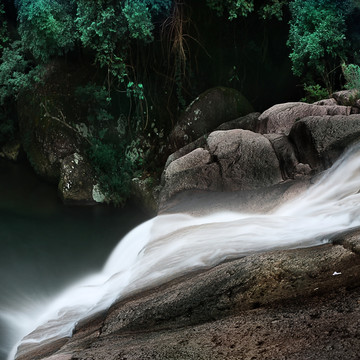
(45, 245)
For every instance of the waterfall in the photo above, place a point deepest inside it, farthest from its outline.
(173, 244)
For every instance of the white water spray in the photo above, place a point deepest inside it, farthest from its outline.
(170, 245)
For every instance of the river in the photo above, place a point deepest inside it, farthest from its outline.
(170, 245)
(45, 245)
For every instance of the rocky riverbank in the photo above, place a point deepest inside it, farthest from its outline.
(288, 304)
(293, 304)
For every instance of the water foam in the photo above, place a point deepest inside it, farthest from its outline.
(170, 245)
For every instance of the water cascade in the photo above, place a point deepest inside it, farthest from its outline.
(170, 245)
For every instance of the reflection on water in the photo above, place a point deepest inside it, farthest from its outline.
(44, 244)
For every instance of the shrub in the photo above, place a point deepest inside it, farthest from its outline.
(314, 93)
(16, 72)
(352, 77)
(317, 38)
(114, 168)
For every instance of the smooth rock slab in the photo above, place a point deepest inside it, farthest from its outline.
(276, 305)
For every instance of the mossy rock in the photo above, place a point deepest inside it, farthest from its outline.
(145, 193)
(209, 110)
(77, 181)
(46, 138)
(48, 115)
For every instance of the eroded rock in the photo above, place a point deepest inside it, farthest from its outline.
(280, 118)
(46, 138)
(247, 122)
(320, 140)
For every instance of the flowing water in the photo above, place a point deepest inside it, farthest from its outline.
(170, 245)
(45, 246)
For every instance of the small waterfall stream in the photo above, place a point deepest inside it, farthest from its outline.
(170, 245)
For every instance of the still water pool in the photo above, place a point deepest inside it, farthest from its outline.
(44, 245)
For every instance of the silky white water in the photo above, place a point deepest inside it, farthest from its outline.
(170, 245)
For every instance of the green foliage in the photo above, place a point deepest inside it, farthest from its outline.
(4, 35)
(115, 164)
(314, 93)
(317, 37)
(274, 9)
(46, 27)
(112, 152)
(96, 100)
(16, 72)
(352, 76)
(138, 19)
(112, 168)
(232, 8)
(107, 27)
(102, 28)
(135, 90)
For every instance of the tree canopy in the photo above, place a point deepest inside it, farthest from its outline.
(108, 29)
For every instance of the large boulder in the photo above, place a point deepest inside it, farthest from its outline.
(247, 122)
(320, 140)
(193, 171)
(46, 138)
(284, 149)
(247, 160)
(347, 98)
(209, 110)
(48, 115)
(281, 117)
(228, 161)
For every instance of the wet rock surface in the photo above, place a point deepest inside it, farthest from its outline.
(289, 304)
(284, 304)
